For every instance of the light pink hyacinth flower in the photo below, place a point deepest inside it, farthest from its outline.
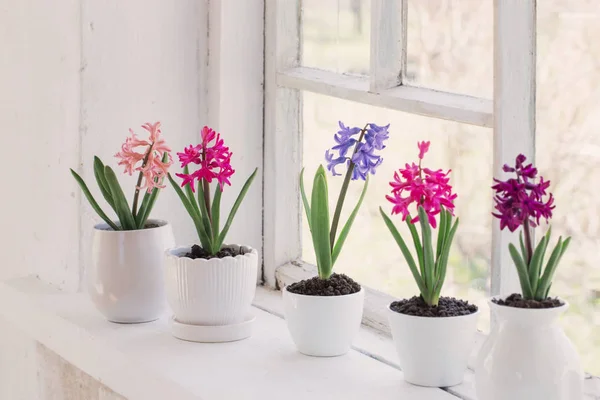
(149, 160)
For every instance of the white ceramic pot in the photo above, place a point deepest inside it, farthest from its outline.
(218, 291)
(323, 326)
(126, 278)
(433, 351)
(527, 356)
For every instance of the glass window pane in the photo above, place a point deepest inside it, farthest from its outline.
(370, 254)
(450, 45)
(568, 154)
(335, 35)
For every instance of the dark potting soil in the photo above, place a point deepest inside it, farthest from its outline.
(336, 285)
(447, 307)
(517, 301)
(199, 252)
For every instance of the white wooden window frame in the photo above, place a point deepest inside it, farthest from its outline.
(511, 115)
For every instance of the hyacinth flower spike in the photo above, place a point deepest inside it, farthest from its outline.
(213, 159)
(519, 201)
(151, 159)
(431, 194)
(356, 149)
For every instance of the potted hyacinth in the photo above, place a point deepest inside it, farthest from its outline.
(210, 285)
(324, 313)
(125, 280)
(433, 334)
(527, 355)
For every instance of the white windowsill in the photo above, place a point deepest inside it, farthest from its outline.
(145, 362)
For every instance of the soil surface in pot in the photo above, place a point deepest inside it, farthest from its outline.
(447, 307)
(336, 285)
(517, 301)
(199, 252)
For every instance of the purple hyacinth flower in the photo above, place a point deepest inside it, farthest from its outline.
(344, 139)
(360, 154)
(519, 200)
(333, 162)
(360, 172)
(346, 132)
(343, 145)
(376, 135)
(365, 161)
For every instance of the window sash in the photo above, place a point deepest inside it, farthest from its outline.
(511, 114)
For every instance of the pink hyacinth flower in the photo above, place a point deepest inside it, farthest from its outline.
(146, 156)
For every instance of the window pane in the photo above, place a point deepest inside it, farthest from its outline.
(450, 45)
(568, 154)
(370, 254)
(335, 35)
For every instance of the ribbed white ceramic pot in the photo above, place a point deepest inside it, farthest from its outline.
(323, 326)
(433, 351)
(126, 280)
(527, 356)
(217, 291)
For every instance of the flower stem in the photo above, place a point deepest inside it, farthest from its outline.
(206, 189)
(528, 243)
(136, 195)
(343, 191)
(527, 232)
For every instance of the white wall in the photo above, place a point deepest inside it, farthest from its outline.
(76, 74)
(39, 125)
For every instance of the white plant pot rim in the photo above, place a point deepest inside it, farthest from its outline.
(104, 227)
(324, 297)
(177, 252)
(389, 307)
(563, 307)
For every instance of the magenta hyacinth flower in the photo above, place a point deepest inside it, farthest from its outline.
(213, 157)
(421, 187)
(519, 200)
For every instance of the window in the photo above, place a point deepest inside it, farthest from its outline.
(568, 151)
(429, 67)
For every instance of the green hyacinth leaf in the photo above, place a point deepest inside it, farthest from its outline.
(92, 201)
(149, 200)
(215, 212)
(304, 198)
(319, 205)
(189, 192)
(428, 260)
(565, 245)
(204, 214)
(235, 208)
(145, 208)
(546, 279)
(555, 257)
(547, 292)
(536, 262)
(405, 252)
(441, 232)
(346, 229)
(417, 243)
(522, 245)
(521, 271)
(442, 262)
(102, 184)
(194, 215)
(120, 202)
